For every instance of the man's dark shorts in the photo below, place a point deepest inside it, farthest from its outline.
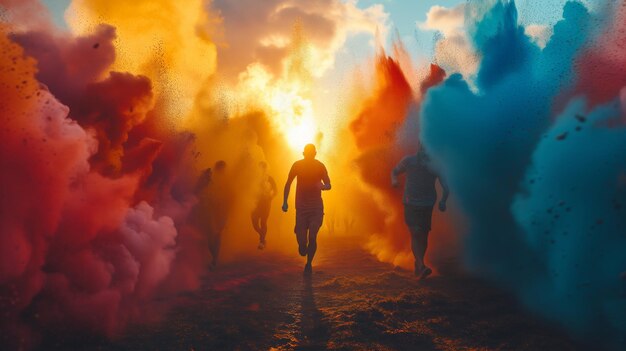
(309, 220)
(418, 217)
(262, 209)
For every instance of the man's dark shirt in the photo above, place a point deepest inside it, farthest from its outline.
(419, 187)
(310, 173)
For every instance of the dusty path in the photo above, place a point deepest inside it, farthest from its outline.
(351, 302)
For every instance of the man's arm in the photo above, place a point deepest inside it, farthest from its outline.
(290, 177)
(325, 180)
(444, 196)
(272, 185)
(397, 170)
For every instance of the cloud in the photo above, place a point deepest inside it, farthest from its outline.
(261, 31)
(539, 33)
(446, 20)
(453, 51)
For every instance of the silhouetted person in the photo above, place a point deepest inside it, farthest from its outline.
(210, 214)
(419, 198)
(312, 179)
(266, 192)
(203, 181)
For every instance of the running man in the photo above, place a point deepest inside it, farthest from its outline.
(211, 212)
(419, 198)
(312, 179)
(267, 191)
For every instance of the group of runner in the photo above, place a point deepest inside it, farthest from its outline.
(419, 198)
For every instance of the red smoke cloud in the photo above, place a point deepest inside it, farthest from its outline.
(88, 216)
(600, 68)
(68, 64)
(74, 69)
(383, 112)
(112, 108)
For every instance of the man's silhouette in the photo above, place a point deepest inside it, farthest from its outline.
(419, 198)
(266, 192)
(312, 179)
(214, 201)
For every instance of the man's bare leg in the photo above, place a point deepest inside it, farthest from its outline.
(419, 244)
(301, 237)
(262, 228)
(259, 223)
(255, 222)
(312, 248)
(215, 241)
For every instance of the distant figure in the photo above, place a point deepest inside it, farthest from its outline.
(312, 179)
(266, 192)
(419, 198)
(203, 181)
(214, 201)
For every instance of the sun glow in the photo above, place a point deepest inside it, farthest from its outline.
(286, 98)
(300, 135)
(294, 116)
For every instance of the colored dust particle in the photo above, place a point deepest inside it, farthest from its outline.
(139, 138)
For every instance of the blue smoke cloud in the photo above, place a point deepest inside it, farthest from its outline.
(573, 215)
(542, 193)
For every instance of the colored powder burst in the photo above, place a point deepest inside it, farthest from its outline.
(543, 198)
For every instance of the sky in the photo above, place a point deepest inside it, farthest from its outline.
(58, 8)
(404, 16)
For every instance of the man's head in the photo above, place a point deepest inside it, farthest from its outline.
(220, 166)
(309, 151)
(422, 156)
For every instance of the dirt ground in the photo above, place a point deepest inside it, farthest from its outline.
(351, 302)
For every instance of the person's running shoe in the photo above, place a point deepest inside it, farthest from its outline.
(418, 270)
(261, 245)
(308, 269)
(425, 273)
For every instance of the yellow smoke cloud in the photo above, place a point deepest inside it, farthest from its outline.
(264, 113)
(166, 40)
(284, 99)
